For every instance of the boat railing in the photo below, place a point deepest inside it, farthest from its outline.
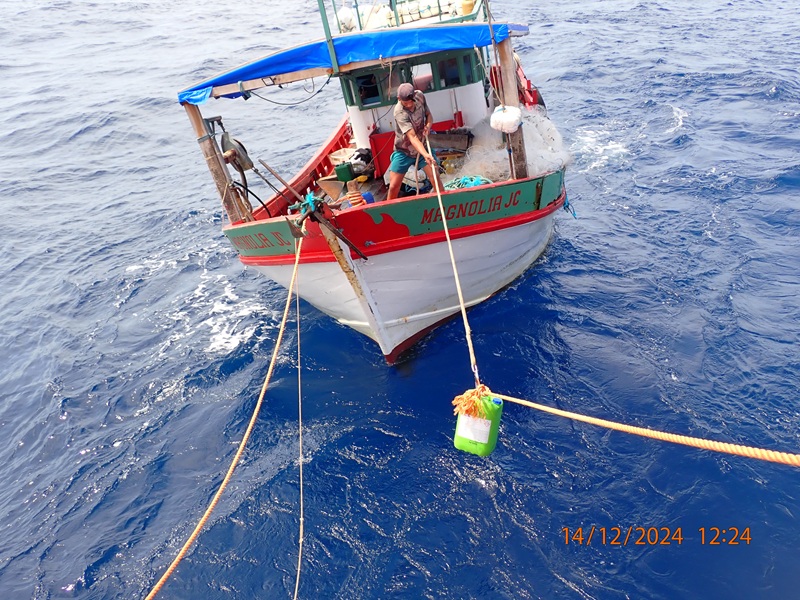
(394, 13)
(314, 170)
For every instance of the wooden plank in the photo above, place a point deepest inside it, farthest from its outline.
(255, 84)
(455, 141)
(332, 187)
(378, 62)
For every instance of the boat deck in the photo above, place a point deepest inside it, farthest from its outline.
(335, 190)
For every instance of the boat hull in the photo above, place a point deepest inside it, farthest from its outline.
(413, 290)
(406, 286)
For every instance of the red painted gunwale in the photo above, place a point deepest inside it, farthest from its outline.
(396, 245)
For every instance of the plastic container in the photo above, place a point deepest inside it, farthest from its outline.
(479, 435)
(340, 156)
(344, 172)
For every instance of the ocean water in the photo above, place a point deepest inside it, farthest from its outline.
(134, 343)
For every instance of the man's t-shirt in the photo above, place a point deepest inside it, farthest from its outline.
(405, 120)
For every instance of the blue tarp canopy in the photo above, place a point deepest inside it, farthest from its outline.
(352, 48)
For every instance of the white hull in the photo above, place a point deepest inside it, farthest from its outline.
(400, 294)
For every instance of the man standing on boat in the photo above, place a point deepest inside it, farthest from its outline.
(412, 124)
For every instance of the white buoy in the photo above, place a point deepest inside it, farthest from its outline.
(506, 119)
(347, 19)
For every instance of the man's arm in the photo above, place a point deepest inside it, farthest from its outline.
(428, 118)
(419, 145)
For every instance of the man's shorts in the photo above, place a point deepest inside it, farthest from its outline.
(402, 162)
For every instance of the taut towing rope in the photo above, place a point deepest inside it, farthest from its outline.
(473, 361)
(301, 535)
(469, 404)
(784, 458)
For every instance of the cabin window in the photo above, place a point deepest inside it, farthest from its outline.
(448, 73)
(394, 82)
(368, 90)
(468, 69)
(422, 76)
(378, 87)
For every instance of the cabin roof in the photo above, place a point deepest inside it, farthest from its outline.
(352, 51)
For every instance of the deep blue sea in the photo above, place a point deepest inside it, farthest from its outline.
(134, 343)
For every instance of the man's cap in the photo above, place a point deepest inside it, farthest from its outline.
(405, 91)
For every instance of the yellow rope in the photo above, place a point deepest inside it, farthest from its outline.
(467, 330)
(467, 403)
(240, 451)
(300, 436)
(785, 458)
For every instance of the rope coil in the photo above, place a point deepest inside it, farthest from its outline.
(468, 403)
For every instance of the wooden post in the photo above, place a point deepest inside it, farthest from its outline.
(510, 97)
(215, 163)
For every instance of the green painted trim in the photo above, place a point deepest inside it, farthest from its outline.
(470, 206)
(409, 217)
(262, 238)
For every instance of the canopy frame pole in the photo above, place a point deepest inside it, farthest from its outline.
(326, 26)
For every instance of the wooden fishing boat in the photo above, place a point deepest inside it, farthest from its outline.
(383, 268)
